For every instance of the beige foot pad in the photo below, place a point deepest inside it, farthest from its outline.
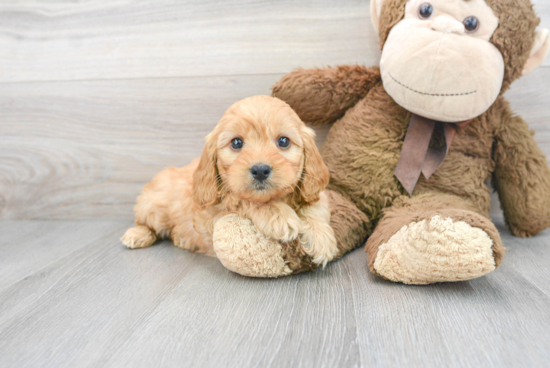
(243, 249)
(435, 250)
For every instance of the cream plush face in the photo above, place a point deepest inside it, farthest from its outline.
(434, 67)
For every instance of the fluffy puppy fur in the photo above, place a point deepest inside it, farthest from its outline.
(184, 203)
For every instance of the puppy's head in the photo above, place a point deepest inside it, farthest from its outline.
(260, 150)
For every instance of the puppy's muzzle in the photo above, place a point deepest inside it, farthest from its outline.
(260, 172)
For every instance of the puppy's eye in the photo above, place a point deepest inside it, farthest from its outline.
(471, 24)
(283, 142)
(425, 11)
(236, 143)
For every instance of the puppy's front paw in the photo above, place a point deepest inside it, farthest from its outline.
(282, 226)
(138, 237)
(320, 243)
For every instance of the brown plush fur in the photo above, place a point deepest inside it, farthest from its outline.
(184, 203)
(514, 35)
(364, 144)
(296, 259)
(329, 106)
(344, 218)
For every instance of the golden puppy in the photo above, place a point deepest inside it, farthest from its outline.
(260, 162)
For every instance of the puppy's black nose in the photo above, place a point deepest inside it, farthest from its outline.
(260, 172)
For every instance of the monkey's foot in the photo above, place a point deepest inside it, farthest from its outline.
(433, 250)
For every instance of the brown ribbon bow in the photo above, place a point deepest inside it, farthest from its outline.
(415, 157)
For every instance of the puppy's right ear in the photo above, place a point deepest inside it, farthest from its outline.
(205, 177)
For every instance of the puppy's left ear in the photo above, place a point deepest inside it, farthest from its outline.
(205, 177)
(315, 176)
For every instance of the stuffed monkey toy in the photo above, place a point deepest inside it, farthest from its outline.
(414, 141)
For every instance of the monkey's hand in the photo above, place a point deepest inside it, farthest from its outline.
(243, 249)
(322, 96)
(522, 177)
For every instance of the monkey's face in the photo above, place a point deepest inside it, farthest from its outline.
(438, 62)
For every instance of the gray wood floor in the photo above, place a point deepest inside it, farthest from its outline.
(72, 296)
(98, 96)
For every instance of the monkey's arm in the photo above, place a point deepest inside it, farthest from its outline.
(522, 177)
(322, 96)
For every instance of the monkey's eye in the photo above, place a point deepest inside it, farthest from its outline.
(425, 11)
(236, 144)
(283, 142)
(471, 24)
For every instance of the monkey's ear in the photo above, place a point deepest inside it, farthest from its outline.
(375, 11)
(540, 49)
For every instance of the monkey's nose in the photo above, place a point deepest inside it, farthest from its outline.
(260, 172)
(447, 25)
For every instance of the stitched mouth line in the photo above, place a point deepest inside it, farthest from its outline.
(432, 94)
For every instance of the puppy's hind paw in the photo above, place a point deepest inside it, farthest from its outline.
(138, 237)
